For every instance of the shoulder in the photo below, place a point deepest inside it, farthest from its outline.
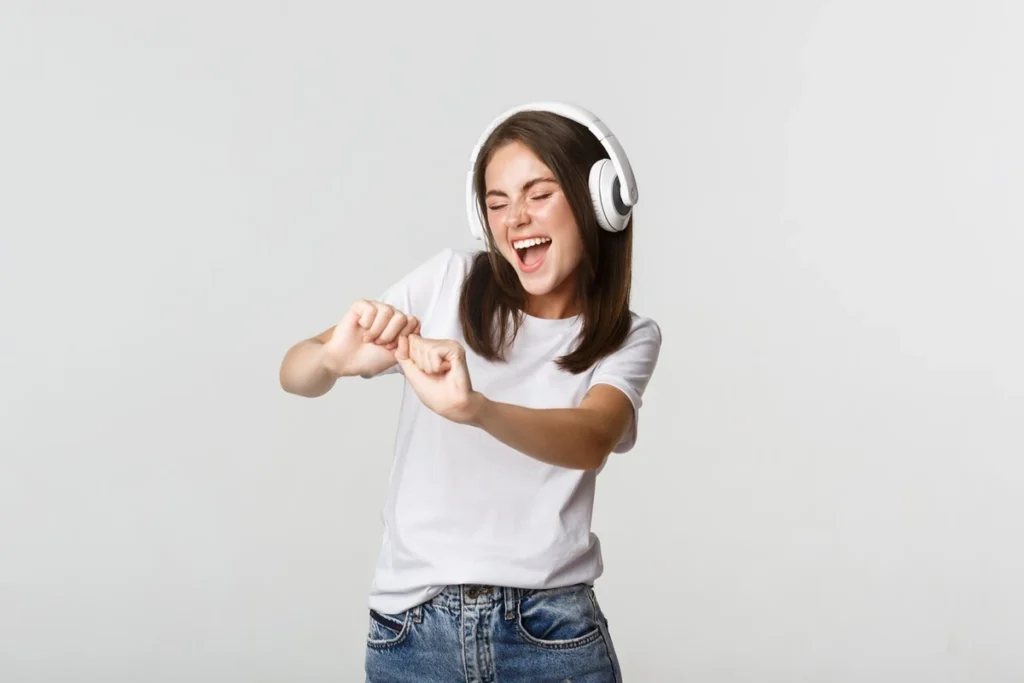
(417, 290)
(643, 331)
(643, 326)
(441, 266)
(441, 275)
(462, 260)
(642, 345)
(453, 259)
(453, 265)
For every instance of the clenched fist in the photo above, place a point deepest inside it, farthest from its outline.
(436, 370)
(364, 342)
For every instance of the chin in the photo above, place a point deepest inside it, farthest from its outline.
(548, 280)
(534, 287)
(539, 282)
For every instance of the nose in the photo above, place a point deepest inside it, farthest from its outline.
(516, 214)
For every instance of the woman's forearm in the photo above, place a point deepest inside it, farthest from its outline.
(303, 372)
(576, 438)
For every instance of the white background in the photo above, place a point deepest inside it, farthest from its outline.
(828, 481)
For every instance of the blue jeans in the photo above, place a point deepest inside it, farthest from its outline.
(486, 634)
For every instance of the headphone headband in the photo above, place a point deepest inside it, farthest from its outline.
(627, 189)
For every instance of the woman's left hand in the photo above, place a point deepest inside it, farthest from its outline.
(436, 370)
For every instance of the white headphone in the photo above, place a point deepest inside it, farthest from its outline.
(612, 185)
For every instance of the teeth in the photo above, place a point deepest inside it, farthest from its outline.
(523, 244)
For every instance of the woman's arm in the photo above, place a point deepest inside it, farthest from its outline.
(577, 438)
(303, 372)
(362, 344)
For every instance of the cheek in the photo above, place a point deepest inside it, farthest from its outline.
(497, 231)
(500, 236)
(572, 254)
(567, 234)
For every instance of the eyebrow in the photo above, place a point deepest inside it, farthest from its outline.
(526, 186)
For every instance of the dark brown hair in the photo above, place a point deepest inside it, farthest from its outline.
(492, 298)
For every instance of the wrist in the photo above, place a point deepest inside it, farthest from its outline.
(477, 409)
(326, 365)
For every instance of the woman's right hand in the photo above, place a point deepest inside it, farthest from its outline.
(364, 342)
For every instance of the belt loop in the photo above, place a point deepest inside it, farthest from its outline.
(511, 603)
(417, 614)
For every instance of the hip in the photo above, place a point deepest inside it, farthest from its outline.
(479, 634)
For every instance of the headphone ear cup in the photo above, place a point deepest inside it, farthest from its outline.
(476, 227)
(612, 214)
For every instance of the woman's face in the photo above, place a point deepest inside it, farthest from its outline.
(534, 228)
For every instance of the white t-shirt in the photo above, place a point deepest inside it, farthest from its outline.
(462, 507)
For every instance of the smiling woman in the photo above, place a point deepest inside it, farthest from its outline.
(530, 248)
(554, 251)
(529, 216)
(527, 370)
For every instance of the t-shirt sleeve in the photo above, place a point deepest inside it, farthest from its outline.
(417, 291)
(629, 369)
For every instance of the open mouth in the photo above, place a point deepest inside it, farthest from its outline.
(531, 252)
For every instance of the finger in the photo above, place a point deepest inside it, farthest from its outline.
(404, 358)
(364, 311)
(451, 353)
(350, 321)
(422, 353)
(417, 350)
(402, 350)
(384, 315)
(394, 327)
(440, 361)
(436, 358)
(412, 325)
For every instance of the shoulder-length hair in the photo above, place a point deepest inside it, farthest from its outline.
(492, 298)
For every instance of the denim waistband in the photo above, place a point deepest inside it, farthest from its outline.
(473, 595)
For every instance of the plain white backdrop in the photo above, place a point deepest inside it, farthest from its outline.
(827, 486)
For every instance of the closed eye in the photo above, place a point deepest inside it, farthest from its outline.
(538, 197)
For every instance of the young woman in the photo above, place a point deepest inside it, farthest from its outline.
(525, 369)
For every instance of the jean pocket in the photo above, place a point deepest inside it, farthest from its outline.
(387, 630)
(559, 618)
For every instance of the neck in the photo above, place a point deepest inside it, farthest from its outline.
(555, 305)
(550, 310)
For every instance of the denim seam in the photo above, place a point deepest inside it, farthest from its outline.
(571, 644)
(391, 642)
(605, 636)
(462, 637)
